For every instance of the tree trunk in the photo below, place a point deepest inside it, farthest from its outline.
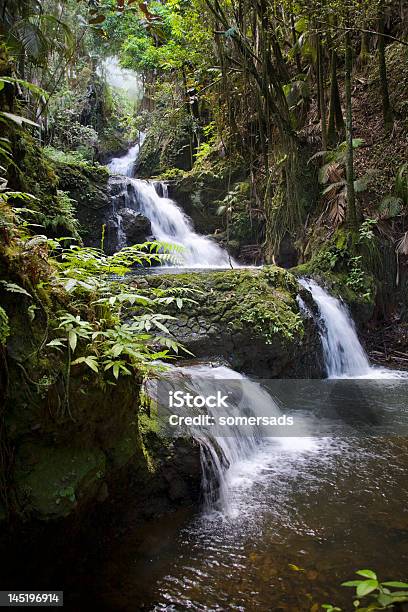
(295, 40)
(336, 122)
(364, 52)
(387, 111)
(351, 195)
(321, 92)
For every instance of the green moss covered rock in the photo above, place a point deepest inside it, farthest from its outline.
(249, 317)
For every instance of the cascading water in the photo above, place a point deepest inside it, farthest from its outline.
(343, 354)
(344, 358)
(230, 454)
(169, 224)
(125, 164)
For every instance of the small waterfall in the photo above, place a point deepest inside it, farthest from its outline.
(169, 223)
(222, 449)
(343, 354)
(125, 164)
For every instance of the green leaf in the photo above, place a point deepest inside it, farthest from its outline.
(70, 284)
(384, 599)
(116, 371)
(367, 574)
(117, 349)
(366, 587)
(397, 584)
(230, 33)
(295, 568)
(351, 583)
(79, 360)
(92, 363)
(73, 339)
(18, 119)
(30, 86)
(56, 342)
(161, 326)
(14, 288)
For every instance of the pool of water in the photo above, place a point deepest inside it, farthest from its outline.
(303, 514)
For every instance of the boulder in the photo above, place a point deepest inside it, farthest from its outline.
(134, 225)
(250, 317)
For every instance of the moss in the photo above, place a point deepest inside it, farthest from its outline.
(35, 173)
(260, 302)
(167, 145)
(52, 481)
(87, 184)
(112, 142)
(340, 265)
(124, 448)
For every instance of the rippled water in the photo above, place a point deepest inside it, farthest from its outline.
(327, 506)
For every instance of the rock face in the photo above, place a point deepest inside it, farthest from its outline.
(125, 225)
(250, 317)
(66, 455)
(199, 195)
(134, 225)
(88, 186)
(103, 201)
(125, 228)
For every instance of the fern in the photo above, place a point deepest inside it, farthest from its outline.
(390, 207)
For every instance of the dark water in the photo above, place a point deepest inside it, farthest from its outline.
(303, 514)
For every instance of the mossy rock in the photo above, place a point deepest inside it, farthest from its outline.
(342, 264)
(166, 146)
(35, 174)
(200, 191)
(112, 143)
(248, 316)
(51, 482)
(87, 184)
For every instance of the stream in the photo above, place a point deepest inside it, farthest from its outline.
(170, 225)
(294, 515)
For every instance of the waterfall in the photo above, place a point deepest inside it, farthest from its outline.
(343, 353)
(125, 164)
(168, 222)
(224, 449)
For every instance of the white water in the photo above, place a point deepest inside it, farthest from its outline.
(169, 223)
(344, 356)
(232, 455)
(245, 455)
(236, 459)
(125, 164)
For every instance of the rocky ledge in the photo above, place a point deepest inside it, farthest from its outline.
(250, 317)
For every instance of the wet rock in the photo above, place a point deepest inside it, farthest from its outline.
(135, 226)
(249, 317)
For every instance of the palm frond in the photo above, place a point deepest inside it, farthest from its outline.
(338, 208)
(402, 245)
